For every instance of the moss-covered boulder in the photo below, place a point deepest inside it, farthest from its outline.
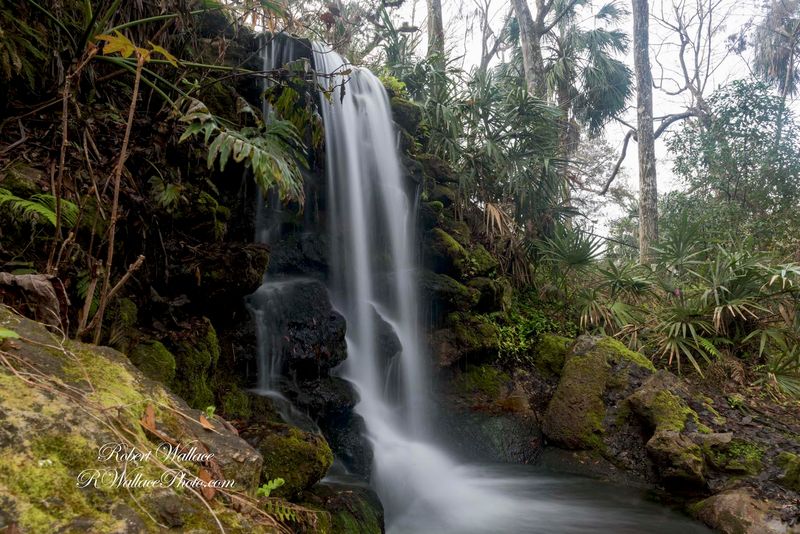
(480, 262)
(442, 193)
(737, 511)
(430, 214)
(790, 463)
(351, 509)
(300, 458)
(196, 353)
(406, 114)
(155, 361)
(495, 295)
(437, 169)
(83, 398)
(444, 254)
(575, 415)
(446, 294)
(469, 337)
(550, 352)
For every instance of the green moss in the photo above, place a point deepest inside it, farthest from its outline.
(669, 412)
(155, 361)
(406, 114)
(449, 256)
(550, 352)
(483, 379)
(448, 292)
(616, 352)
(236, 404)
(300, 458)
(475, 334)
(738, 456)
(196, 358)
(479, 262)
(575, 415)
(790, 463)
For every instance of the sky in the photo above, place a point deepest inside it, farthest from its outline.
(730, 16)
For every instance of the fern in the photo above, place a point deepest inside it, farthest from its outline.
(269, 487)
(40, 207)
(272, 151)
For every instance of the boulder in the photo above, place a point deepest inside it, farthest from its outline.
(437, 169)
(84, 397)
(300, 458)
(790, 463)
(353, 509)
(495, 295)
(444, 254)
(442, 193)
(196, 350)
(300, 254)
(550, 352)
(407, 115)
(430, 214)
(446, 294)
(736, 511)
(303, 327)
(679, 460)
(465, 337)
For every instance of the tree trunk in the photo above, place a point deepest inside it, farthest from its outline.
(435, 30)
(530, 40)
(648, 187)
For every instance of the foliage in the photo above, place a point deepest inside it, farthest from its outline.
(40, 207)
(273, 151)
(268, 487)
(742, 178)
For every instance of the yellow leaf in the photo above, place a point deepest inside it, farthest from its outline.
(159, 50)
(117, 43)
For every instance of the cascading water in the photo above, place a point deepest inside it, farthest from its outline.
(373, 269)
(371, 281)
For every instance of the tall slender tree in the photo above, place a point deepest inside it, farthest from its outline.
(435, 30)
(648, 186)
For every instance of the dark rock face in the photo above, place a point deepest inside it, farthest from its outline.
(330, 402)
(301, 322)
(494, 437)
(354, 509)
(300, 254)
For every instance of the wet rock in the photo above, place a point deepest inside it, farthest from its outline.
(679, 460)
(300, 458)
(406, 114)
(790, 463)
(444, 254)
(303, 327)
(430, 214)
(443, 194)
(300, 254)
(484, 436)
(437, 169)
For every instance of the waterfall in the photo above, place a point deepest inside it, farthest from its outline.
(371, 220)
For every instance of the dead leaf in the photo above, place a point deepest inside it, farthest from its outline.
(207, 491)
(149, 418)
(206, 423)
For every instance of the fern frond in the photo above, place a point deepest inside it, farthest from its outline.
(40, 207)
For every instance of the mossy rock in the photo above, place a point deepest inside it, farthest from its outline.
(479, 262)
(437, 169)
(196, 355)
(406, 114)
(790, 463)
(94, 396)
(447, 294)
(350, 509)
(483, 379)
(550, 352)
(662, 409)
(430, 213)
(445, 254)
(495, 294)
(458, 230)
(300, 458)
(736, 456)
(442, 193)
(155, 361)
(679, 459)
(575, 415)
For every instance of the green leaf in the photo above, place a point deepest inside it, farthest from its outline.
(5, 333)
